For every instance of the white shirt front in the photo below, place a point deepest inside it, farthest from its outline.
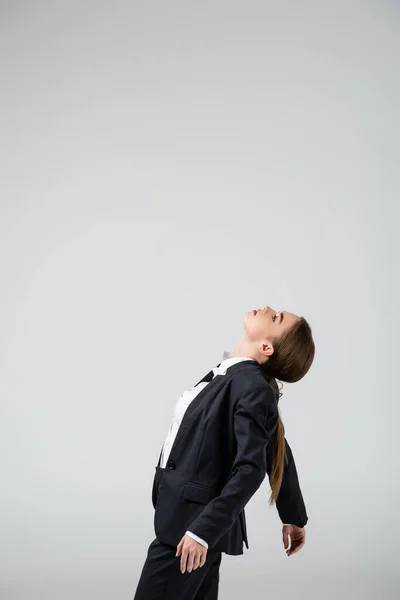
(180, 408)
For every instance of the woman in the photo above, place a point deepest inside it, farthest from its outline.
(226, 436)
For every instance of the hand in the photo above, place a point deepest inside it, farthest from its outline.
(297, 538)
(192, 552)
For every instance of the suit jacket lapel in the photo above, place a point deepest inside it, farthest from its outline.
(192, 409)
(208, 377)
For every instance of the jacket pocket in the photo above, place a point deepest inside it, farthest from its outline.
(199, 493)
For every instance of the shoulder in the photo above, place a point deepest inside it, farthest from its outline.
(258, 394)
(249, 378)
(255, 381)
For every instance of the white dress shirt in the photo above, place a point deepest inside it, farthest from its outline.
(181, 405)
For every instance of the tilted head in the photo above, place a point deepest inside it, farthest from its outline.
(281, 342)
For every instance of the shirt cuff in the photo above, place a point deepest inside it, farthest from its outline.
(197, 538)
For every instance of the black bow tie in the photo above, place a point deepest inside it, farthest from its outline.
(208, 377)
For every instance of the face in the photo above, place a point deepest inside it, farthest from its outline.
(265, 326)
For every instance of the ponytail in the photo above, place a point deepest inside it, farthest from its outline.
(292, 358)
(278, 442)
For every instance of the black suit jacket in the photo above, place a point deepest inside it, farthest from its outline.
(220, 456)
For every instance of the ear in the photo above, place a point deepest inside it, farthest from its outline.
(267, 349)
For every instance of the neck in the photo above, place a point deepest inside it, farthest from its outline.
(246, 349)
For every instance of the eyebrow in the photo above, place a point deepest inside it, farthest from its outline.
(281, 318)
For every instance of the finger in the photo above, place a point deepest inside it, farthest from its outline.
(298, 547)
(190, 561)
(178, 548)
(295, 547)
(286, 541)
(291, 547)
(196, 561)
(293, 544)
(203, 558)
(183, 560)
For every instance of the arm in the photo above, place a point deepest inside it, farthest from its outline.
(255, 420)
(289, 503)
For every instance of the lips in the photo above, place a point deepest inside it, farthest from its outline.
(254, 312)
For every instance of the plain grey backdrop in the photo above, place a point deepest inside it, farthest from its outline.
(165, 168)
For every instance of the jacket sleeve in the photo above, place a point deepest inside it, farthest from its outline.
(255, 421)
(289, 503)
(195, 537)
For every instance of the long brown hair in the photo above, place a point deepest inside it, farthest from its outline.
(292, 357)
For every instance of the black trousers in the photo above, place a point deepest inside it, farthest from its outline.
(161, 577)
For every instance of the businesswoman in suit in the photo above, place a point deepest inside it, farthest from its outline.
(226, 436)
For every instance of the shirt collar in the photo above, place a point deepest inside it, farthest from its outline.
(228, 362)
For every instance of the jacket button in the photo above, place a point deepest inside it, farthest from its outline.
(170, 465)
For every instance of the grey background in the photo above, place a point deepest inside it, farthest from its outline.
(165, 168)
